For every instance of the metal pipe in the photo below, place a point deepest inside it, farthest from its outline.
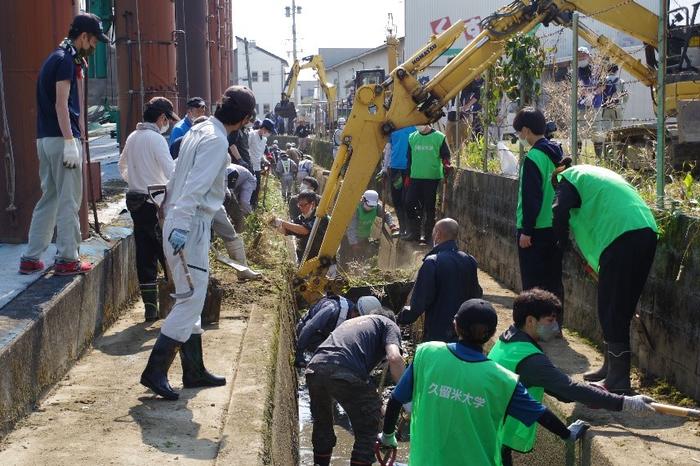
(660, 107)
(574, 89)
(486, 122)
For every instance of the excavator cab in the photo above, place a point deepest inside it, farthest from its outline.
(370, 76)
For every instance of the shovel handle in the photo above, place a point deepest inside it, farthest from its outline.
(675, 410)
(186, 269)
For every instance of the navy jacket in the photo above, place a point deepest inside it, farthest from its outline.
(446, 279)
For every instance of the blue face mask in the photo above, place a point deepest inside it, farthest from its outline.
(546, 332)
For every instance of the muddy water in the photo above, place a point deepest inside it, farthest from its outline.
(343, 432)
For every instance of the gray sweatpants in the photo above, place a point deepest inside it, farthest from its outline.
(223, 227)
(62, 190)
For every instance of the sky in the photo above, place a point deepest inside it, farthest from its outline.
(321, 24)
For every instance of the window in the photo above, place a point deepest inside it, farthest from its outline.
(266, 76)
(266, 108)
(254, 76)
(257, 109)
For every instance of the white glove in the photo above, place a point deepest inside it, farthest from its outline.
(71, 154)
(577, 429)
(638, 405)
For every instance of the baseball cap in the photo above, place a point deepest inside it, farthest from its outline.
(196, 102)
(268, 125)
(476, 311)
(163, 105)
(370, 197)
(87, 22)
(367, 304)
(583, 50)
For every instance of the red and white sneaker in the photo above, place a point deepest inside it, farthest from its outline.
(29, 266)
(71, 268)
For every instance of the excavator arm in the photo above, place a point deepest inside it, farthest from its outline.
(291, 82)
(315, 62)
(402, 101)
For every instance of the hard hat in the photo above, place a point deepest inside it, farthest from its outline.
(370, 197)
(341, 121)
(584, 50)
(367, 304)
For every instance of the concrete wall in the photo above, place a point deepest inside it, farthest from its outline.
(484, 205)
(49, 325)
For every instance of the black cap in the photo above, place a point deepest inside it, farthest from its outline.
(268, 125)
(87, 22)
(196, 102)
(476, 311)
(163, 105)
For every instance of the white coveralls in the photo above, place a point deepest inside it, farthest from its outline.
(286, 169)
(195, 194)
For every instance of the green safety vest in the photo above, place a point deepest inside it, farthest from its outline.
(610, 207)
(458, 408)
(517, 435)
(365, 221)
(426, 163)
(546, 168)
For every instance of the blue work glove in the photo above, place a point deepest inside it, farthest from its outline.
(577, 429)
(177, 239)
(388, 440)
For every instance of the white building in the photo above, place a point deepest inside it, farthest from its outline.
(267, 74)
(426, 18)
(342, 73)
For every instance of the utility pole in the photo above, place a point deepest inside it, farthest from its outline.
(247, 63)
(660, 106)
(574, 90)
(292, 12)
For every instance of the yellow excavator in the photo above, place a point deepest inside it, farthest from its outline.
(314, 62)
(401, 100)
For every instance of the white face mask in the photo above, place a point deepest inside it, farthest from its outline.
(583, 63)
(304, 188)
(164, 129)
(523, 141)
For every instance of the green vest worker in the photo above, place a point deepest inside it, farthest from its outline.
(540, 258)
(428, 163)
(534, 316)
(616, 234)
(459, 398)
(360, 227)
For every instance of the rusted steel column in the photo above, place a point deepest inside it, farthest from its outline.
(192, 50)
(145, 30)
(26, 40)
(214, 56)
(226, 45)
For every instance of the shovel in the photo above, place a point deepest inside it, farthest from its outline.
(189, 293)
(676, 410)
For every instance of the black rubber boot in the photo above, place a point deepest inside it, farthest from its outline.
(194, 374)
(618, 377)
(155, 376)
(598, 375)
(149, 295)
